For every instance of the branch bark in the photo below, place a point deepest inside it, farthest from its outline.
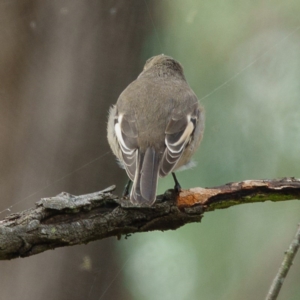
(289, 256)
(67, 220)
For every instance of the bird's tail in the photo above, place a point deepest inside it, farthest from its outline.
(143, 192)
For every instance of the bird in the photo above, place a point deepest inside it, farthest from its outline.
(155, 127)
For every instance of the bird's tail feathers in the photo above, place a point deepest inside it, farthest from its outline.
(143, 192)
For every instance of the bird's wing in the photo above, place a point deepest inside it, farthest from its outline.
(141, 167)
(178, 135)
(126, 132)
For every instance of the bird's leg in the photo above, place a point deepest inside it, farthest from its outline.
(177, 186)
(127, 188)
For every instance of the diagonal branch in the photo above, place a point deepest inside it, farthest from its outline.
(67, 220)
(289, 256)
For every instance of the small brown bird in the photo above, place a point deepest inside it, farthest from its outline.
(155, 127)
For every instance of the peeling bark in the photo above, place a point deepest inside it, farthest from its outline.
(66, 220)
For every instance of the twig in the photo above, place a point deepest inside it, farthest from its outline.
(285, 267)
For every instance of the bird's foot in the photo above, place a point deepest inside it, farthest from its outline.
(127, 189)
(177, 186)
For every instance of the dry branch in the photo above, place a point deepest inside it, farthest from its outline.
(289, 256)
(67, 220)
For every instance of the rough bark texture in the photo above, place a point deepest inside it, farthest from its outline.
(67, 220)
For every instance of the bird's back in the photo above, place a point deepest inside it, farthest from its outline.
(139, 101)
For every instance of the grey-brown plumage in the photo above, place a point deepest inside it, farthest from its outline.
(155, 127)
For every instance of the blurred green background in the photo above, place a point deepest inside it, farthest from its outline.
(242, 58)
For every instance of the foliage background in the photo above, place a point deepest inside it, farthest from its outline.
(242, 60)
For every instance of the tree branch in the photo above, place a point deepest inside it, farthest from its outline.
(289, 256)
(67, 220)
